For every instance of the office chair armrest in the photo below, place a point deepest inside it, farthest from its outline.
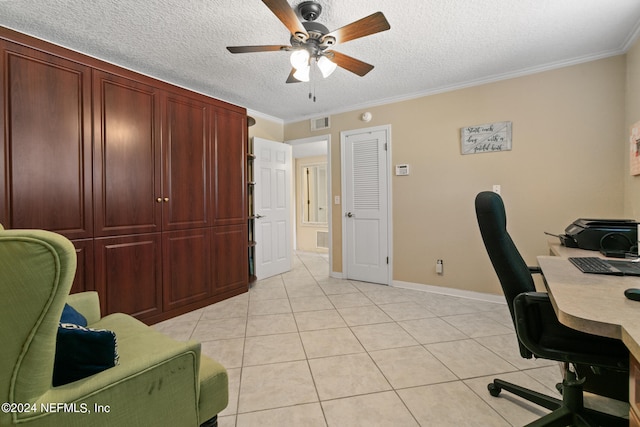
(540, 331)
(534, 269)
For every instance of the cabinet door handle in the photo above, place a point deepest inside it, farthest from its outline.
(159, 200)
(166, 199)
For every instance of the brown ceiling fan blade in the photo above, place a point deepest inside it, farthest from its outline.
(292, 79)
(287, 16)
(371, 24)
(349, 63)
(248, 49)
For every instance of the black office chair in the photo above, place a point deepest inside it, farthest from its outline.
(591, 362)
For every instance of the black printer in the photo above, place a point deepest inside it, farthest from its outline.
(601, 235)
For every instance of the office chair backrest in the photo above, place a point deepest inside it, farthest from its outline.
(512, 271)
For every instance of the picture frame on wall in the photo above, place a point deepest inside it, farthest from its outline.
(486, 138)
(634, 148)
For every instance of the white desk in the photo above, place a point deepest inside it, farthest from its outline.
(596, 304)
(555, 248)
(593, 303)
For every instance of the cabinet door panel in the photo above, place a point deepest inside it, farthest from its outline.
(46, 123)
(187, 164)
(230, 159)
(83, 280)
(187, 267)
(230, 265)
(129, 274)
(127, 157)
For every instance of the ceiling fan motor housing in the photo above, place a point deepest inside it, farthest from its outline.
(310, 10)
(316, 41)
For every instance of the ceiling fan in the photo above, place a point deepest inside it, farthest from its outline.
(311, 41)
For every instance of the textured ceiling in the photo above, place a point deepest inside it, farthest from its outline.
(432, 46)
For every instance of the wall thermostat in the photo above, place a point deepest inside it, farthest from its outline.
(402, 170)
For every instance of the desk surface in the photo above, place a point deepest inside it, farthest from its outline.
(555, 248)
(593, 303)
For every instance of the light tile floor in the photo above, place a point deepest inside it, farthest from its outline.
(304, 349)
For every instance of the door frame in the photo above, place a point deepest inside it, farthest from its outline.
(343, 137)
(319, 138)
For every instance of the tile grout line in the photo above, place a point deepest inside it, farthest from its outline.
(378, 303)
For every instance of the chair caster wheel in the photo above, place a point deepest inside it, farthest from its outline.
(494, 389)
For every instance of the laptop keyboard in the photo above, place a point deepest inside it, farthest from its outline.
(594, 265)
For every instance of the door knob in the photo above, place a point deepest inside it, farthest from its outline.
(260, 216)
(350, 215)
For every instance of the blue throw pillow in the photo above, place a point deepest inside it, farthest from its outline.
(82, 352)
(71, 315)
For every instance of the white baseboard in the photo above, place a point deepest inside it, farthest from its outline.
(451, 292)
(337, 275)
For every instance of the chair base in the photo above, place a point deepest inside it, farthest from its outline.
(568, 411)
(211, 422)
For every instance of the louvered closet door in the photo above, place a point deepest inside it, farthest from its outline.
(365, 206)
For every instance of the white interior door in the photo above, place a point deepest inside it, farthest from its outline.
(272, 174)
(366, 233)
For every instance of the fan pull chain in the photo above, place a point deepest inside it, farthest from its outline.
(312, 88)
(312, 82)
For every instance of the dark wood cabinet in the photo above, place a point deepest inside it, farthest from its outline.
(83, 280)
(188, 272)
(230, 263)
(187, 164)
(45, 163)
(146, 178)
(127, 164)
(128, 274)
(230, 161)
(634, 392)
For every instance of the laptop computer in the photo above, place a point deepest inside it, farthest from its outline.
(594, 265)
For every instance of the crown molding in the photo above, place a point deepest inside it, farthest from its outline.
(477, 82)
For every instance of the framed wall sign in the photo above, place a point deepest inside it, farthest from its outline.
(486, 138)
(634, 145)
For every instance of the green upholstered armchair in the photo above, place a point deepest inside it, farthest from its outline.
(158, 381)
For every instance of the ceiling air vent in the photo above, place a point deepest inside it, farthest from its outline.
(321, 123)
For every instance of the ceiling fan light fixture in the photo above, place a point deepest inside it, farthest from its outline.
(326, 66)
(300, 59)
(310, 39)
(302, 74)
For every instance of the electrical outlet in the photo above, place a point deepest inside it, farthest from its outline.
(439, 266)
